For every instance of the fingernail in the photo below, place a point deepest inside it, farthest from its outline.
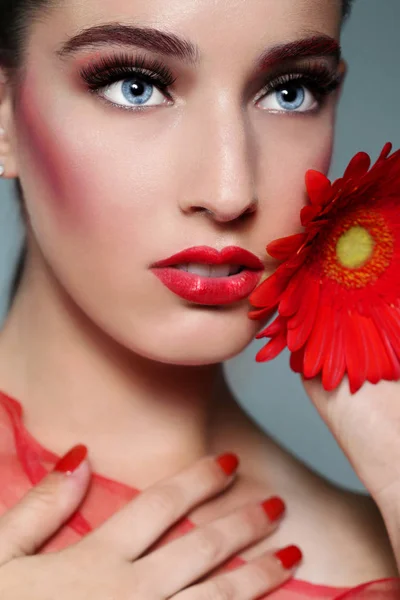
(274, 507)
(71, 461)
(228, 462)
(289, 556)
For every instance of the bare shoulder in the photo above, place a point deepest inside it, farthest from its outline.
(343, 534)
(361, 526)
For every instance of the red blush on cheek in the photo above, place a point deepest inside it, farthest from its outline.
(40, 142)
(52, 155)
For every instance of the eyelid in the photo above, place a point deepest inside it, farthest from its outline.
(319, 77)
(125, 62)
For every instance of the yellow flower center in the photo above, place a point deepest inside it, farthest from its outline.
(355, 247)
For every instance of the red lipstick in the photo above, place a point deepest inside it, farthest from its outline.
(210, 290)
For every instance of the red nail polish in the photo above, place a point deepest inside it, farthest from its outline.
(228, 462)
(289, 556)
(274, 507)
(71, 461)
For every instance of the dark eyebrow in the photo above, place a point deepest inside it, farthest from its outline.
(170, 44)
(316, 45)
(148, 38)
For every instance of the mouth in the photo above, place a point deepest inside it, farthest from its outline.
(204, 276)
(216, 271)
(200, 256)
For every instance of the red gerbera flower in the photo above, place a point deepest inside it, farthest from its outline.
(337, 290)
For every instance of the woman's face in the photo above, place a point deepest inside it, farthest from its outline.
(127, 176)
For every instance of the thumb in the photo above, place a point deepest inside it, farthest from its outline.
(45, 508)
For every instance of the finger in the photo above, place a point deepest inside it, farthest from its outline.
(44, 509)
(253, 580)
(200, 551)
(134, 528)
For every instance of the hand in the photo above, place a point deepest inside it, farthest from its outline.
(114, 560)
(366, 425)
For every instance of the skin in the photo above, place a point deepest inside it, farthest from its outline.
(109, 192)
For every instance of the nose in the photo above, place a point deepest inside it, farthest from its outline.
(219, 167)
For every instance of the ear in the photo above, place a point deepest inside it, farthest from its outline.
(8, 144)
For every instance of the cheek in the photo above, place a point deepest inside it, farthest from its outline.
(295, 146)
(54, 159)
(81, 178)
(300, 143)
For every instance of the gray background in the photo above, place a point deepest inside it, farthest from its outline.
(367, 118)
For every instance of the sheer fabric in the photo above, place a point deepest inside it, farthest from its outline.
(24, 462)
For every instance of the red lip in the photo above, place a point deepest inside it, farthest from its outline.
(210, 290)
(232, 255)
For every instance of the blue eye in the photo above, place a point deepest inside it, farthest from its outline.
(134, 91)
(289, 97)
(304, 91)
(129, 82)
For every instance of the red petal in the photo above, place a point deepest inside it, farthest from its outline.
(300, 326)
(263, 313)
(388, 336)
(293, 263)
(268, 293)
(377, 357)
(335, 365)
(356, 349)
(307, 214)
(308, 285)
(358, 166)
(318, 344)
(291, 297)
(389, 319)
(386, 150)
(277, 326)
(318, 187)
(296, 361)
(272, 349)
(393, 363)
(337, 186)
(283, 248)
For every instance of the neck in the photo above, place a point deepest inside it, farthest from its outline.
(141, 420)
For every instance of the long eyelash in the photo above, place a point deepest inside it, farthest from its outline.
(316, 76)
(108, 70)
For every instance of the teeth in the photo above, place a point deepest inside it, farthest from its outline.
(210, 271)
(220, 271)
(199, 269)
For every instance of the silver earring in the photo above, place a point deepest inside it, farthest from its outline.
(2, 131)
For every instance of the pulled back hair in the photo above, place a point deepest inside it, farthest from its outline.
(16, 19)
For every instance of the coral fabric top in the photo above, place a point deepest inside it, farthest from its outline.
(24, 462)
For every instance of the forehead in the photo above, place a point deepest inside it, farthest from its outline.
(213, 25)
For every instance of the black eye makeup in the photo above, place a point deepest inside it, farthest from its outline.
(108, 70)
(317, 78)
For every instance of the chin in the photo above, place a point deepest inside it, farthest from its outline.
(192, 335)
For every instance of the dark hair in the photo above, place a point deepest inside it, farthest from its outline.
(16, 18)
(347, 6)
